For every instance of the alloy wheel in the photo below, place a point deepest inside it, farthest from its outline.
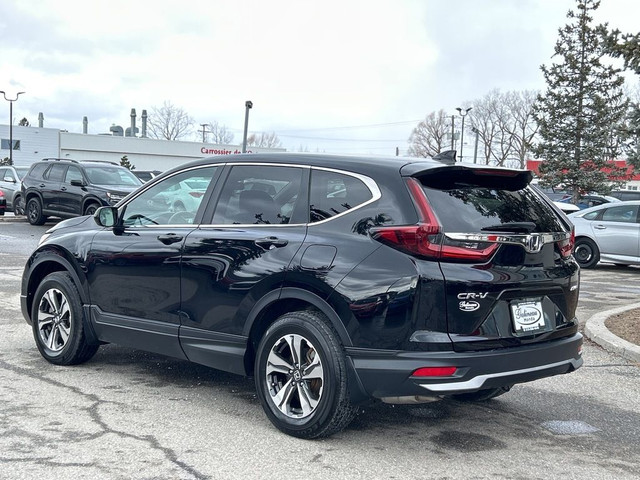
(54, 320)
(294, 376)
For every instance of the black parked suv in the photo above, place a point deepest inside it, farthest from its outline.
(331, 280)
(68, 188)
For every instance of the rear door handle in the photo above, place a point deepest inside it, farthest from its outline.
(599, 227)
(269, 243)
(170, 238)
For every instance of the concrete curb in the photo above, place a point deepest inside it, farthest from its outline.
(12, 218)
(596, 331)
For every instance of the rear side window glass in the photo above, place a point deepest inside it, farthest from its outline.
(259, 195)
(627, 214)
(56, 173)
(37, 171)
(333, 193)
(464, 210)
(592, 215)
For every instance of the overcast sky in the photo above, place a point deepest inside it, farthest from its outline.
(337, 76)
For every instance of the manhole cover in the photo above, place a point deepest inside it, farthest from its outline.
(571, 427)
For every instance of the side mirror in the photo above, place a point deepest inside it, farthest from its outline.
(106, 216)
(9, 178)
(77, 183)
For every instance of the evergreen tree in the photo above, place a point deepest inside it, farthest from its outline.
(627, 47)
(581, 109)
(124, 161)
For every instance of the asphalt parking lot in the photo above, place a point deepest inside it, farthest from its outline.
(129, 414)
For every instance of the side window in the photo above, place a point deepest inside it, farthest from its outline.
(333, 193)
(3, 172)
(628, 214)
(259, 195)
(56, 173)
(38, 170)
(173, 201)
(591, 215)
(73, 173)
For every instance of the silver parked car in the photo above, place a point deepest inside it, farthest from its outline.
(609, 232)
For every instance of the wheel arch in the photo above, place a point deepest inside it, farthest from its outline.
(276, 303)
(42, 264)
(88, 201)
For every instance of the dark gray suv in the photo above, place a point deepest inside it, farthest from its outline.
(68, 188)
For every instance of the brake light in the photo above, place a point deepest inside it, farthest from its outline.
(434, 372)
(426, 238)
(566, 246)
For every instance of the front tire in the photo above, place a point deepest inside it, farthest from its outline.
(91, 208)
(34, 212)
(586, 253)
(301, 376)
(58, 321)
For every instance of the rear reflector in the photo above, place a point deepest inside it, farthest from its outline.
(434, 372)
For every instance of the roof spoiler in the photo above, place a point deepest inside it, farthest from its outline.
(448, 157)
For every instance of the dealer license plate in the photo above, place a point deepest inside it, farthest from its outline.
(528, 317)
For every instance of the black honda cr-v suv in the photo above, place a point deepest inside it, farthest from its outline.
(331, 280)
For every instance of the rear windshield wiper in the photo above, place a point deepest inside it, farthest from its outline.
(514, 227)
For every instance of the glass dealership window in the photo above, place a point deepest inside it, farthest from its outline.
(5, 144)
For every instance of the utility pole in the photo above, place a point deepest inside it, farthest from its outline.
(452, 129)
(204, 132)
(248, 106)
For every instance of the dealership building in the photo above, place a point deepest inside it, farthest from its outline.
(31, 144)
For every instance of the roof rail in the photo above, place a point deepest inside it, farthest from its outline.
(448, 157)
(59, 160)
(101, 161)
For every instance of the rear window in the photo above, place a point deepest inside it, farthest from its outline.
(470, 209)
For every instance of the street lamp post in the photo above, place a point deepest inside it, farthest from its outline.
(248, 106)
(460, 110)
(11, 122)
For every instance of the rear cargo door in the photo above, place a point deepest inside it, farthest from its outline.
(525, 287)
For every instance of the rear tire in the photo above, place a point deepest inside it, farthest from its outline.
(586, 253)
(34, 212)
(481, 395)
(58, 321)
(301, 376)
(18, 205)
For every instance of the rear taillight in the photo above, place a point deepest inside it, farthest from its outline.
(566, 245)
(426, 238)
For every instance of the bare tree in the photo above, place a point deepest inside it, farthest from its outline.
(169, 122)
(429, 137)
(264, 140)
(524, 127)
(220, 134)
(483, 122)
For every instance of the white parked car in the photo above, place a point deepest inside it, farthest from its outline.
(609, 232)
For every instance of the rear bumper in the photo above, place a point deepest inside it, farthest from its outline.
(384, 373)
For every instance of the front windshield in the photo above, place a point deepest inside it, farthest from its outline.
(105, 175)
